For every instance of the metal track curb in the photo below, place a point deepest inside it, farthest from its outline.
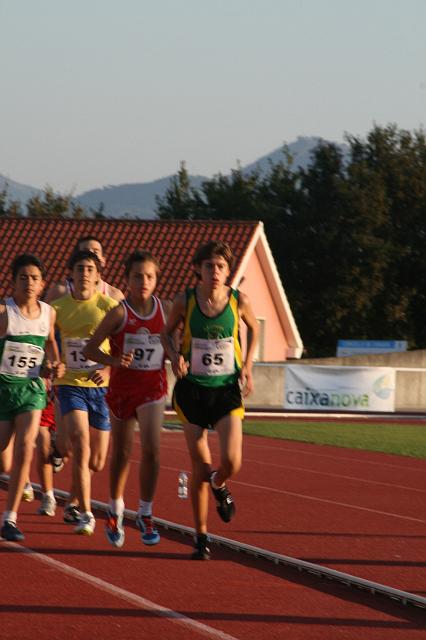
(404, 597)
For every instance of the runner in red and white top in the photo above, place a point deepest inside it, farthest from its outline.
(137, 390)
(145, 381)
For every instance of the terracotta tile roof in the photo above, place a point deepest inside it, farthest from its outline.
(172, 242)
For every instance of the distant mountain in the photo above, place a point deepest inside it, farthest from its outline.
(17, 191)
(300, 150)
(130, 199)
(138, 199)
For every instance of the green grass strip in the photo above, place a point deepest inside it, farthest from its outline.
(399, 439)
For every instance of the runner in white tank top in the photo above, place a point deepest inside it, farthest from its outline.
(26, 335)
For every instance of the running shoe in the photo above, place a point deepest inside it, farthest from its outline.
(146, 526)
(72, 514)
(201, 550)
(86, 526)
(10, 531)
(55, 457)
(56, 461)
(28, 493)
(224, 501)
(114, 529)
(47, 506)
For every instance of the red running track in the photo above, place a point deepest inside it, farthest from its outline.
(350, 510)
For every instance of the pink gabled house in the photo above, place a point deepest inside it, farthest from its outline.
(174, 243)
(258, 277)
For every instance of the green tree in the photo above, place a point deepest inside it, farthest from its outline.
(54, 205)
(180, 201)
(397, 158)
(49, 205)
(347, 233)
(9, 208)
(337, 249)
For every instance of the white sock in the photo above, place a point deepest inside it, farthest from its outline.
(50, 493)
(117, 506)
(213, 483)
(145, 508)
(10, 516)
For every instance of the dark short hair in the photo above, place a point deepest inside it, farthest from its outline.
(87, 239)
(140, 255)
(83, 254)
(213, 248)
(27, 260)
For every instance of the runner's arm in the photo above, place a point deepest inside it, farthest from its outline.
(248, 317)
(53, 365)
(108, 326)
(3, 319)
(174, 319)
(115, 294)
(54, 292)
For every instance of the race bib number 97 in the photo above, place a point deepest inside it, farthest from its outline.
(212, 357)
(147, 350)
(21, 359)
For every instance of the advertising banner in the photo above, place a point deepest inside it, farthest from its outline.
(323, 388)
(357, 347)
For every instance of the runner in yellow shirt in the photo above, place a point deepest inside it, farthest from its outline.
(81, 392)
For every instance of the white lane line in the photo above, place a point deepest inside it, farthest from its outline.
(285, 467)
(335, 457)
(313, 498)
(320, 570)
(333, 502)
(127, 596)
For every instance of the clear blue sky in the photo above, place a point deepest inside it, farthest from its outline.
(97, 92)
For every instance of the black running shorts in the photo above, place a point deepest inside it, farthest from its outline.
(205, 406)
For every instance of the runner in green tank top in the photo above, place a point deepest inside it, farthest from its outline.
(212, 344)
(26, 334)
(211, 379)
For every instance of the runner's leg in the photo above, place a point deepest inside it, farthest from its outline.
(150, 417)
(26, 429)
(196, 440)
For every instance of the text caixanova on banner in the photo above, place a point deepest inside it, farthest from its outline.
(324, 388)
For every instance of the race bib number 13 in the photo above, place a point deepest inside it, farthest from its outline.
(212, 357)
(74, 357)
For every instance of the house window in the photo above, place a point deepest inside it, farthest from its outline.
(260, 347)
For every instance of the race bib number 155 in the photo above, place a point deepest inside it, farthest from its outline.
(21, 359)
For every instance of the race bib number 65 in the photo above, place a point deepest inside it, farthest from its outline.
(212, 357)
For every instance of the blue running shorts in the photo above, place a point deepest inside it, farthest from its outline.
(90, 399)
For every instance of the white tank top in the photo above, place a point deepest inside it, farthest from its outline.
(22, 347)
(19, 325)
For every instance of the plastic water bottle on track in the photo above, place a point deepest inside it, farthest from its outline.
(183, 485)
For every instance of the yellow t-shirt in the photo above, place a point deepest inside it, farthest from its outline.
(77, 321)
